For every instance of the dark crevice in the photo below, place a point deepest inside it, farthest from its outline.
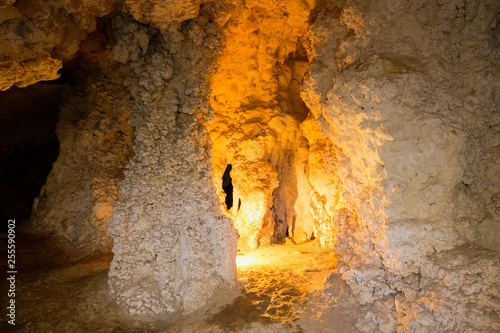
(227, 186)
(28, 146)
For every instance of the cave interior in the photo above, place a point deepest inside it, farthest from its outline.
(251, 166)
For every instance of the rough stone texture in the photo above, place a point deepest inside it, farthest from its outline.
(459, 293)
(395, 172)
(95, 141)
(173, 249)
(163, 13)
(405, 93)
(36, 36)
(257, 113)
(28, 72)
(395, 167)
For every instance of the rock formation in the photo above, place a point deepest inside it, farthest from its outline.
(370, 126)
(173, 248)
(95, 145)
(402, 111)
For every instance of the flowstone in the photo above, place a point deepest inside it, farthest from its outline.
(409, 113)
(173, 249)
(95, 145)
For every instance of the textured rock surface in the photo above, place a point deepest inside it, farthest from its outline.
(256, 120)
(173, 249)
(458, 293)
(408, 115)
(95, 140)
(37, 36)
(163, 14)
(395, 167)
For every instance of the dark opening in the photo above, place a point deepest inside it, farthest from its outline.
(227, 186)
(28, 146)
(239, 204)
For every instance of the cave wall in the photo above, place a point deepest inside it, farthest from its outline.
(257, 115)
(38, 36)
(95, 145)
(405, 94)
(173, 249)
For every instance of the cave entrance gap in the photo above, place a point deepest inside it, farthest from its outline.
(227, 186)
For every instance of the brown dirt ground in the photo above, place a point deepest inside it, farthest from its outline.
(281, 290)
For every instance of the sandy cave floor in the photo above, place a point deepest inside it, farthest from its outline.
(281, 290)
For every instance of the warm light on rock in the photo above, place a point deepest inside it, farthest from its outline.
(257, 114)
(255, 166)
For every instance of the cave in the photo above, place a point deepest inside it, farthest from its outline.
(250, 166)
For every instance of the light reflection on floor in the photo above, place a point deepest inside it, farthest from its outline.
(277, 280)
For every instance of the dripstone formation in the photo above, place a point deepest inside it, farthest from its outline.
(372, 127)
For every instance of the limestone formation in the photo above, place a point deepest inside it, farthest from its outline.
(204, 128)
(256, 125)
(173, 249)
(407, 113)
(95, 145)
(37, 36)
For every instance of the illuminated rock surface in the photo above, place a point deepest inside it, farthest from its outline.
(364, 132)
(172, 247)
(77, 200)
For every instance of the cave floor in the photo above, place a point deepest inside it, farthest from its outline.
(280, 290)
